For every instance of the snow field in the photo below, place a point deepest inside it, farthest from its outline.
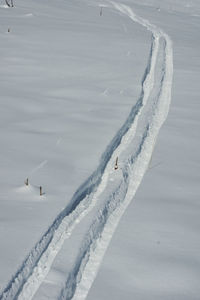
(88, 260)
(115, 208)
(37, 265)
(159, 232)
(47, 133)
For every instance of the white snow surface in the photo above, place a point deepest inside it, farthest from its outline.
(154, 253)
(66, 88)
(84, 82)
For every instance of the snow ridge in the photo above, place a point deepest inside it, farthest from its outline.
(133, 168)
(35, 267)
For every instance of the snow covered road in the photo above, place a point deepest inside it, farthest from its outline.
(103, 198)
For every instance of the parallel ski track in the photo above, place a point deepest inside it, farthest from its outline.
(133, 168)
(35, 267)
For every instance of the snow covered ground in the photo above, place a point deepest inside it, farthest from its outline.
(67, 86)
(69, 79)
(154, 253)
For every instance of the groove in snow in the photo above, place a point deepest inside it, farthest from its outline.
(134, 167)
(32, 272)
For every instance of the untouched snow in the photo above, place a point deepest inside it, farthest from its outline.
(70, 74)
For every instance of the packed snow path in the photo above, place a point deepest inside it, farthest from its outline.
(107, 192)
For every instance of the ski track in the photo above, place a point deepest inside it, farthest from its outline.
(101, 231)
(35, 267)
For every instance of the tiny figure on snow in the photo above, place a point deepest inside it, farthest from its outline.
(101, 11)
(116, 163)
(41, 191)
(26, 182)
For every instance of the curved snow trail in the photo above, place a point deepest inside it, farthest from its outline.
(133, 168)
(35, 267)
(26, 281)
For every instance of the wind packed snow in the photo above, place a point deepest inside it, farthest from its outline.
(84, 82)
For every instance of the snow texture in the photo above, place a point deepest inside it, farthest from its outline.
(75, 84)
